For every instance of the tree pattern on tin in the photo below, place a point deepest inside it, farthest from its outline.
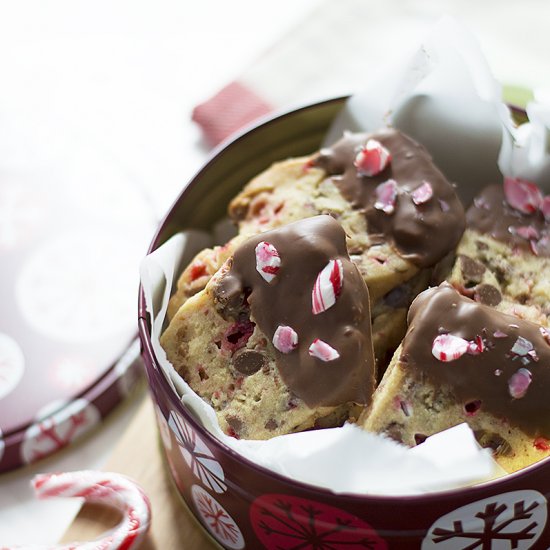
(292, 523)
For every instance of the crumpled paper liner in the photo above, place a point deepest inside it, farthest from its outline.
(444, 96)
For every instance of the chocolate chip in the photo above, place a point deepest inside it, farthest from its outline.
(488, 295)
(480, 245)
(248, 362)
(271, 425)
(472, 270)
(420, 438)
(229, 297)
(235, 423)
(491, 440)
(398, 297)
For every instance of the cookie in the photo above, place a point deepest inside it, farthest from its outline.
(503, 259)
(462, 361)
(280, 338)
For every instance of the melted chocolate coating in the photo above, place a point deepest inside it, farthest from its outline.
(492, 215)
(422, 233)
(305, 248)
(484, 377)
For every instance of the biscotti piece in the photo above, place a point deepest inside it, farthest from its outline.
(279, 340)
(503, 259)
(462, 361)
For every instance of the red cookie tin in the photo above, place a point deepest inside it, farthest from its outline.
(243, 505)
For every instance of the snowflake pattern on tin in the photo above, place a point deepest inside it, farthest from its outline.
(284, 521)
(72, 373)
(74, 287)
(197, 455)
(53, 432)
(513, 520)
(216, 519)
(12, 364)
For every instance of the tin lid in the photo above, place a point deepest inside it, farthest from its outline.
(69, 257)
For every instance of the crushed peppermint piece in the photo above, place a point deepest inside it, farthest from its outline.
(527, 232)
(476, 346)
(285, 339)
(444, 205)
(522, 195)
(545, 333)
(499, 334)
(522, 347)
(447, 347)
(498, 372)
(386, 196)
(519, 383)
(322, 350)
(423, 193)
(372, 158)
(542, 444)
(267, 261)
(327, 287)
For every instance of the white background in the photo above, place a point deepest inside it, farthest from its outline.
(123, 77)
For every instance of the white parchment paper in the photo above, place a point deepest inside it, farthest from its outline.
(445, 96)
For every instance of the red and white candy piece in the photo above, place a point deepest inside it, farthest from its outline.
(423, 193)
(522, 347)
(267, 261)
(526, 232)
(113, 490)
(327, 287)
(476, 346)
(321, 350)
(447, 347)
(522, 195)
(519, 383)
(386, 196)
(285, 339)
(372, 158)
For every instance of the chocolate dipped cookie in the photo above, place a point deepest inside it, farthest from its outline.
(503, 258)
(462, 361)
(280, 339)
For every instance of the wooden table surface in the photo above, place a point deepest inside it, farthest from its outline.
(138, 456)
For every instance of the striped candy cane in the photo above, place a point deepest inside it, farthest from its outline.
(109, 489)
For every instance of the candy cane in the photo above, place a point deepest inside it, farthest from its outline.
(110, 489)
